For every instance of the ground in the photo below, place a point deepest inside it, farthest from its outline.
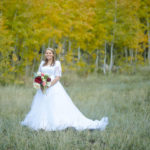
(125, 99)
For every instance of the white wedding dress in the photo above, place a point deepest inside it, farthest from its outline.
(55, 110)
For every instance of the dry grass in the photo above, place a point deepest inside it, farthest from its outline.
(124, 99)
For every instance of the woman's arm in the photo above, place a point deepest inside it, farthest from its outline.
(57, 78)
(57, 73)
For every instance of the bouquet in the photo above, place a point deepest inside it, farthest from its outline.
(41, 81)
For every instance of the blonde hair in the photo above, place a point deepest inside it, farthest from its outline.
(54, 57)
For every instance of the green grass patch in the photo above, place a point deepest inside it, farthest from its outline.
(125, 99)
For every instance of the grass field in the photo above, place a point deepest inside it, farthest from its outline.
(125, 99)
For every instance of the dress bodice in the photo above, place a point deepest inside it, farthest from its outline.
(53, 71)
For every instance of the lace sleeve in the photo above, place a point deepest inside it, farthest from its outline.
(58, 70)
(39, 69)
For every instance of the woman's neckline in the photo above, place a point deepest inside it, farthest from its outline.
(49, 65)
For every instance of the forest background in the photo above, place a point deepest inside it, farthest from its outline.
(101, 36)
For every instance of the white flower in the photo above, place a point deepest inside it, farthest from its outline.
(36, 85)
(38, 73)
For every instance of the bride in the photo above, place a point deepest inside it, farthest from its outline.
(55, 110)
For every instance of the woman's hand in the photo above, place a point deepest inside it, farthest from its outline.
(57, 78)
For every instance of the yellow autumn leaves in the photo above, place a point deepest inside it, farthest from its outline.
(88, 35)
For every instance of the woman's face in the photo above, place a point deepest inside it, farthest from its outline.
(49, 54)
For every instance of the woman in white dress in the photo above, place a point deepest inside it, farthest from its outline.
(55, 110)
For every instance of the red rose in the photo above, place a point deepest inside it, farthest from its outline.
(38, 80)
(48, 79)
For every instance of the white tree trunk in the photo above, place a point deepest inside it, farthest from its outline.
(26, 66)
(136, 53)
(34, 62)
(112, 43)
(42, 55)
(97, 59)
(27, 70)
(148, 28)
(79, 53)
(145, 55)
(131, 55)
(64, 46)
(111, 56)
(126, 54)
(104, 67)
(69, 45)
